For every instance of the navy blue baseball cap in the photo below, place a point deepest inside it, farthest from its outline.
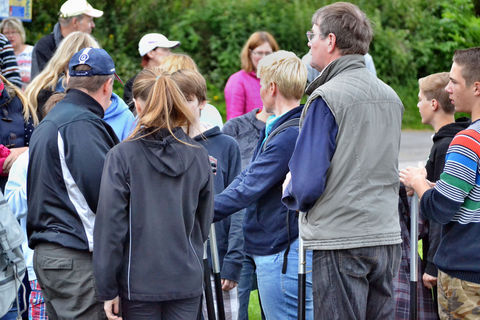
(98, 60)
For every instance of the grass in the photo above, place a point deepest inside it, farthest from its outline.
(253, 307)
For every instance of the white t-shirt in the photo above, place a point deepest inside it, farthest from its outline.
(24, 61)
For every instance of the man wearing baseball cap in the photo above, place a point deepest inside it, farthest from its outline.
(153, 48)
(67, 152)
(75, 15)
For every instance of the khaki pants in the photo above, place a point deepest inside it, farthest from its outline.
(457, 299)
(66, 278)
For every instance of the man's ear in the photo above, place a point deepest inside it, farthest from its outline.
(435, 104)
(272, 88)
(332, 42)
(476, 88)
(107, 85)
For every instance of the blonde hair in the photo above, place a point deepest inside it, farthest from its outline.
(256, 39)
(58, 64)
(433, 87)
(178, 61)
(28, 111)
(165, 106)
(286, 70)
(15, 24)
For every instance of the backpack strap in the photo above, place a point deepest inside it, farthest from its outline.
(287, 124)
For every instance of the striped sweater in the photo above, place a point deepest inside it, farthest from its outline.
(8, 62)
(455, 203)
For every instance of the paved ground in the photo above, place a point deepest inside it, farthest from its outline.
(414, 147)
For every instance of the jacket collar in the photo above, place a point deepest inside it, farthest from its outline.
(344, 63)
(84, 100)
(57, 34)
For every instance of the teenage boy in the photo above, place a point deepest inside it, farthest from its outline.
(270, 229)
(454, 200)
(225, 161)
(437, 111)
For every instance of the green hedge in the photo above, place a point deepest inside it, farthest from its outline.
(411, 38)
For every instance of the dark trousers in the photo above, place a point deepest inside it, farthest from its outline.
(66, 278)
(355, 283)
(184, 309)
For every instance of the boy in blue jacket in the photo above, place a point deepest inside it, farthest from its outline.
(225, 161)
(270, 229)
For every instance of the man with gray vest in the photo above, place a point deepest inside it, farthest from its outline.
(344, 172)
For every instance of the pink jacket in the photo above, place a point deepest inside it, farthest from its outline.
(242, 93)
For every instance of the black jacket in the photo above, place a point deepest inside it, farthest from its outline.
(67, 152)
(434, 167)
(44, 50)
(154, 214)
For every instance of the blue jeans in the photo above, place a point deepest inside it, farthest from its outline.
(355, 283)
(247, 283)
(279, 292)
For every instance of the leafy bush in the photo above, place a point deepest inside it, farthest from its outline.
(412, 38)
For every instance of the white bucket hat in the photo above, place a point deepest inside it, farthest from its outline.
(72, 8)
(151, 41)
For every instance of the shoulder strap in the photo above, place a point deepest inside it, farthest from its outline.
(290, 123)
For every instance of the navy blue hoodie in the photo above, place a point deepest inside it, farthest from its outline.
(269, 227)
(225, 161)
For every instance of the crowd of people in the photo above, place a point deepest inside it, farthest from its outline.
(120, 197)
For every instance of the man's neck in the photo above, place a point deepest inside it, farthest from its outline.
(283, 105)
(66, 30)
(437, 124)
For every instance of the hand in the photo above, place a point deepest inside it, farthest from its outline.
(112, 308)
(411, 175)
(228, 285)
(288, 178)
(14, 153)
(409, 191)
(429, 281)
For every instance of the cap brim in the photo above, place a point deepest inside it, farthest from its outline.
(172, 44)
(94, 13)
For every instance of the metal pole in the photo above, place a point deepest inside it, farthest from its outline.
(413, 256)
(302, 277)
(216, 272)
(208, 286)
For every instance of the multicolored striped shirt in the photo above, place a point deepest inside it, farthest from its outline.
(8, 62)
(455, 202)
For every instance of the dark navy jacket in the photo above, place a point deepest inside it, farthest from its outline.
(225, 160)
(269, 227)
(67, 152)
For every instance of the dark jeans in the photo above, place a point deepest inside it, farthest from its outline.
(247, 283)
(355, 283)
(184, 309)
(66, 278)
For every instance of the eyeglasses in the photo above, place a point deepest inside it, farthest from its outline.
(260, 53)
(10, 33)
(311, 35)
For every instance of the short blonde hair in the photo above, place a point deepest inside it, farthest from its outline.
(286, 70)
(178, 61)
(256, 39)
(433, 87)
(15, 24)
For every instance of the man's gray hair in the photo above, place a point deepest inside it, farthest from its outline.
(348, 23)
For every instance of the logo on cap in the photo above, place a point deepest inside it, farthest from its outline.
(83, 57)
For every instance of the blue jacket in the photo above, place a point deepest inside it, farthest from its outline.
(225, 160)
(119, 117)
(269, 227)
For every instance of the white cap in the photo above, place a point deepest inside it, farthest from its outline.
(151, 41)
(72, 8)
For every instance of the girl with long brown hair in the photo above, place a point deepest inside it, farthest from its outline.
(155, 210)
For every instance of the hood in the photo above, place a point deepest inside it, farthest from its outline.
(57, 34)
(450, 130)
(117, 107)
(215, 131)
(166, 154)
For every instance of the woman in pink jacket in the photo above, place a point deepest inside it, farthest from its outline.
(242, 91)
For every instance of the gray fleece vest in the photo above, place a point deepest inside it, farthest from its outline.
(359, 207)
